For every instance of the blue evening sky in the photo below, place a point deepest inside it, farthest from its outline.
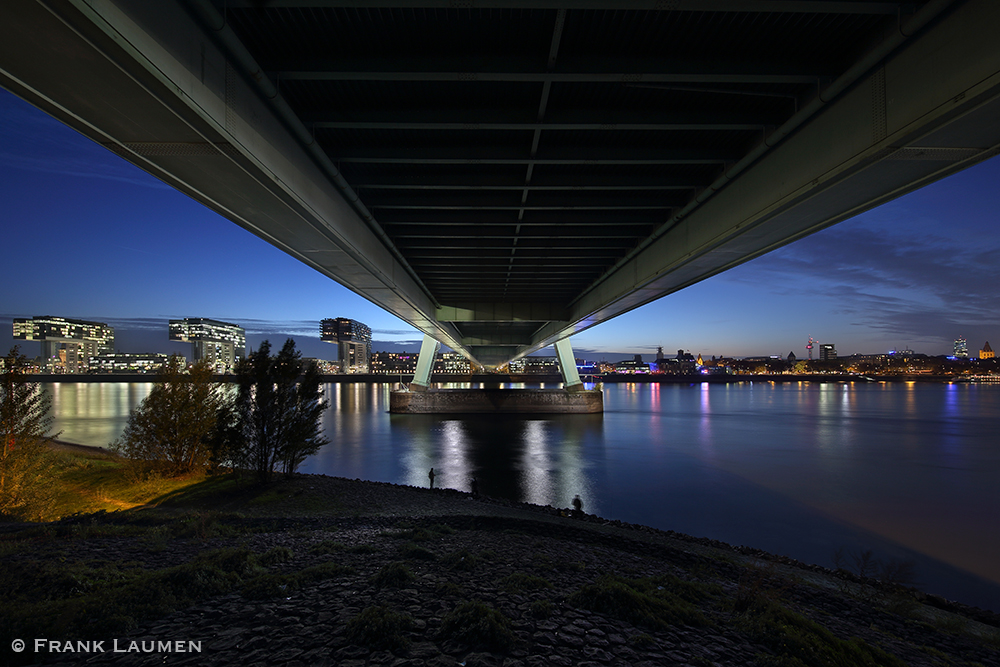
(87, 235)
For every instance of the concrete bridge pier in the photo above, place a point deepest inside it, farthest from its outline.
(572, 398)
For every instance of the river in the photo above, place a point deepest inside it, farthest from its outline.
(910, 471)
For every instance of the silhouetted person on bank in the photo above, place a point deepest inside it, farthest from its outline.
(577, 507)
(430, 475)
(474, 487)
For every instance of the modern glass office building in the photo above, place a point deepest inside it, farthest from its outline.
(67, 344)
(220, 343)
(353, 340)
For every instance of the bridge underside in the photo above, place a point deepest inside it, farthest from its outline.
(503, 175)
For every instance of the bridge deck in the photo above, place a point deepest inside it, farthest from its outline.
(504, 174)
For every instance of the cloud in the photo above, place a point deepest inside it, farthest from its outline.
(394, 332)
(34, 141)
(84, 167)
(920, 287)
(308, 328)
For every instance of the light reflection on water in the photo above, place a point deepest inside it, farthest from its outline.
(909, 470)
(93, 413)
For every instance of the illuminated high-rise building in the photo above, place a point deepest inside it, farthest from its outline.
(67, 345)
(827, 352)
(220, 343)
(353, 340)
(961, 348)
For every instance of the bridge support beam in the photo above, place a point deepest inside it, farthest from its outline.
(425, 364)
(567, 366)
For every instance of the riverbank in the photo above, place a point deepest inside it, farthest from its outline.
(324, 570)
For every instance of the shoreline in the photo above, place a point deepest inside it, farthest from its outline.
(324, 550)
(642, 531)
(505, 506)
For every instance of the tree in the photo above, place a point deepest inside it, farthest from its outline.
(277, 414)
(171, 432)
(25, 459)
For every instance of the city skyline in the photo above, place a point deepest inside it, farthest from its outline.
(98, 239)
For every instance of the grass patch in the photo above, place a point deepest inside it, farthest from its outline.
(541, 609)
(107, 599)
(797, 641)
(541, 561)
(362, 549)
(427, 534)
(413, 551)
(379, 628)
(393, 575)
(442, 529)
(449, 588)
(272, 585)
(478, 625)
(57, 599)
(519, 581)
(326, 547)
(653, 602)
(322, 572)
(463, 560)
(204, 525)
(275, 555)
(83, 483)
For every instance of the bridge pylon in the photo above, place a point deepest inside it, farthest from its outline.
(425, 364)
(567, 366)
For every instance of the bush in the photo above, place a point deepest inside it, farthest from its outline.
(478, 625)
(275, 420)
(25, 460)
(379, 627)
(462, 560)
(171, 432)
(393, 575)
(448, 588)
(276, 555)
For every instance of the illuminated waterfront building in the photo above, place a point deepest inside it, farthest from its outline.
(353, 340)
(393, 363)
(534, 366)
(632, 366)
(324, 366)
(827, 352)
(220, 343)
(452, 363)
(986, 352)
(67, 345)
(127, 363)
(961, 348)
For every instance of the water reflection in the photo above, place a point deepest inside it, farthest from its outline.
(542, 460)
(93, 413)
